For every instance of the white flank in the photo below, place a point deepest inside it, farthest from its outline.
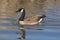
(24, 23)
(21, 22)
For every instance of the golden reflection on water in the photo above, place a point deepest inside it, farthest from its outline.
(13, 28)
(29, 5)
(4, 21)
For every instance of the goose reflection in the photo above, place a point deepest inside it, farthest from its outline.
(23, 33)
(23, 30)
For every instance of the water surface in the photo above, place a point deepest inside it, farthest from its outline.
(51, 25)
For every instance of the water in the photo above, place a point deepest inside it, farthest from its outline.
(51, 26)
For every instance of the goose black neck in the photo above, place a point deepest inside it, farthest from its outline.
(22, 16)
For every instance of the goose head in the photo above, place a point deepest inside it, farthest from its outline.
(43, 16)
(40, 17)
(22, 10)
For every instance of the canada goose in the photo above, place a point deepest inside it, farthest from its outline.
(31, 20)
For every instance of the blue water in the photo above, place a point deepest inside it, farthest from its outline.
(51, 28)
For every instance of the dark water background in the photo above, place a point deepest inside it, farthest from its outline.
(51, 23)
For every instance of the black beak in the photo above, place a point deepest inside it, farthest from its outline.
(43, 16)
(19, 9)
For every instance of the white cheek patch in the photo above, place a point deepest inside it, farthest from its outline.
(40, 20)
(22, 10)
